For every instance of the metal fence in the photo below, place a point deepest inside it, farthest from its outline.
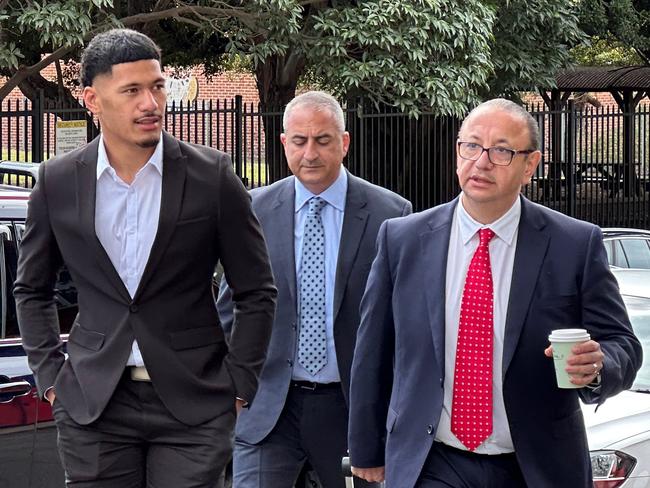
(595, 165)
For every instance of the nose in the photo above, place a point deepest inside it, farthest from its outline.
(483, 161)
(311, 152)
(148, 102)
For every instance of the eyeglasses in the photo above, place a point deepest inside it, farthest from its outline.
(501, 156)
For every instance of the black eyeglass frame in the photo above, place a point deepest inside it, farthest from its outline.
(512, 152)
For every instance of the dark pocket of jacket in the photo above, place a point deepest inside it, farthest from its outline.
(86, 338)
(192, 338)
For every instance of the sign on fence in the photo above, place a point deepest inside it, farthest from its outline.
(70, 134)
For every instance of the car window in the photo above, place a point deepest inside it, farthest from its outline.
(637, 253)
(639, 311)
(619, 256)
(65, 293)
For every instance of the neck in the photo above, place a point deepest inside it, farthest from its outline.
(485, 213)
(127, 161)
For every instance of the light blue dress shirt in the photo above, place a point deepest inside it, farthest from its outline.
(332, 218)
(126, 220)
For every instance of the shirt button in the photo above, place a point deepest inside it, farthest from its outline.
(429, 429)
(133, 308)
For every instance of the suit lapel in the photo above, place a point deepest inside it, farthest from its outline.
(532, 243)
(355, 219)
(173, 182)
(86, 188)
(281, 243)
(435, 245)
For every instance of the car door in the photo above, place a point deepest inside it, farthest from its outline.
(28, 456)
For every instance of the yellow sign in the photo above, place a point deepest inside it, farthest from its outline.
(70, 134)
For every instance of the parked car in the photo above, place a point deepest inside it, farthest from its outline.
(619, 430)
(627, 248)
(17, 173)
(28, 457)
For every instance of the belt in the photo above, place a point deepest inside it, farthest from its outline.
(472, 454)
(309, 385)
(139, 373)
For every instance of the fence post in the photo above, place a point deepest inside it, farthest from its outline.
(37, 127)
(238, 156)
(570, 158)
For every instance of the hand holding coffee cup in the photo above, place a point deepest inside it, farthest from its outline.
(577, 358)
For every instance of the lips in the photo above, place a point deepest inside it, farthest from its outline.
(480, 179)
(149, 122)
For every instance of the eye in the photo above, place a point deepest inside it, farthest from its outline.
(471, 146)
(501, 151)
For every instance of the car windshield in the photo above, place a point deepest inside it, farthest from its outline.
(639, 311)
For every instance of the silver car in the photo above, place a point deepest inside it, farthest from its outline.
(619, 431)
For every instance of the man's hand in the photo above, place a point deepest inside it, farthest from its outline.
(369, 474)
(239, 404)
(584, 363)
(50, 396)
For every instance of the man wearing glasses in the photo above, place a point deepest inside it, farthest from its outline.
(453, 383)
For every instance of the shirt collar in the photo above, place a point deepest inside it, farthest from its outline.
(334, 195)
(156, 159)
(504, 228)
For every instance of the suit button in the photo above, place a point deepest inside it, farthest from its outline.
(290, 362)
(442, 382)
(293, 326)
(429, 429)
(133, 308)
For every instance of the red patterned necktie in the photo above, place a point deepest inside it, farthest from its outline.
(471, 411)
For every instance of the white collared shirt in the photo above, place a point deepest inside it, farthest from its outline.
(332, 218)
(463, 242)
(126, 220)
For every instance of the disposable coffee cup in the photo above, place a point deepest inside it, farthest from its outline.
(562, 341)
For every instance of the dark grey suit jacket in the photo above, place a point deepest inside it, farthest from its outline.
(205, 217)
(366, 207)
(560, 279)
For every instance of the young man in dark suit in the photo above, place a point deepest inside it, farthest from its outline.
(149, 391)
(320, 225)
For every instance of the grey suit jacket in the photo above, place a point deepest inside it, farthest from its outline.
(366, 207)
(560, 279)
(205, 217)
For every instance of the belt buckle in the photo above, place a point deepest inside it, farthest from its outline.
(310, 386)
(139, 373)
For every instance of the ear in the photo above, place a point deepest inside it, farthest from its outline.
(90, 99)
(283, 139)
(532, 161)
(346, 142)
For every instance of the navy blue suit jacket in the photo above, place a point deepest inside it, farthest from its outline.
(366, 207)
(560, 279)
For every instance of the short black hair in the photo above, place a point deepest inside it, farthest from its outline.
(115, 46)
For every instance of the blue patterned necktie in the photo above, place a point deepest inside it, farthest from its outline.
(312, 346)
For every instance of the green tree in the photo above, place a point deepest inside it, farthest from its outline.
(440, 55)
(620, 31)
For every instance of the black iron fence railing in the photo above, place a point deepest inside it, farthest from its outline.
(595, 166)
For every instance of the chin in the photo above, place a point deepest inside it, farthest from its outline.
(153, 142)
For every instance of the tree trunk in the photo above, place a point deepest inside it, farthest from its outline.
(277, 79)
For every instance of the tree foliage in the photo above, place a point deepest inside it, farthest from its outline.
(440, 55)
(616, 27)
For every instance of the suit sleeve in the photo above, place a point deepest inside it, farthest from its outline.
(247, 270)
(605, 316)
(372, 367)
(408, 209)
(38, 263)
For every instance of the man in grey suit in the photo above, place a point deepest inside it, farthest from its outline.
(147, 393)
(320, 226)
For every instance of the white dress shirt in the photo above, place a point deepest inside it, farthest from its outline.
(332, 218)
(463, 242)
(126, 220)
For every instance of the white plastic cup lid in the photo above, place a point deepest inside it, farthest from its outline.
(569, 335)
